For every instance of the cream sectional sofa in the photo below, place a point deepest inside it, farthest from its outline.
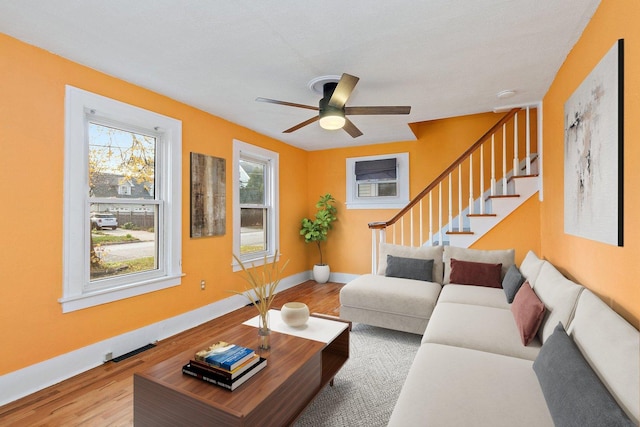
(472, 367)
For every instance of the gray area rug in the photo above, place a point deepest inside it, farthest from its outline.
(368, 385)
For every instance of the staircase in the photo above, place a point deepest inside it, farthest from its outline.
(479, 177)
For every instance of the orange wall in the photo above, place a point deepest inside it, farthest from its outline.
(609, 271)
(439, 142)
(32, 326)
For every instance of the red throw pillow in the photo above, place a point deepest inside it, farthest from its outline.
(528, 312)
(475, 273)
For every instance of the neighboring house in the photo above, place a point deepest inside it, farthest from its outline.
(108, 185)
(118, 187)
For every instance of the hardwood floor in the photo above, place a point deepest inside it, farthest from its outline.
(103, 396)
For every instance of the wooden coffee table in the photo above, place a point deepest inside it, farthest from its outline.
(300, 363)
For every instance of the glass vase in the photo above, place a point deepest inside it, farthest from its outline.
(264, 333)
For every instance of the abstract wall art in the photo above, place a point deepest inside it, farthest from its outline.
(593, 153)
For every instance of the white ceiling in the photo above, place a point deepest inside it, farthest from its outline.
(443, 57)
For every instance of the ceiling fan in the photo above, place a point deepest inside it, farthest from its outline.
(332, 111)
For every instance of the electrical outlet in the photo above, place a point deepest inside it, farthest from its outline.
(203, 284)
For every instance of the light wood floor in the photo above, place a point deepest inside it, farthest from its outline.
(103, 396)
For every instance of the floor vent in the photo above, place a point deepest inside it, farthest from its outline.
(132, 353)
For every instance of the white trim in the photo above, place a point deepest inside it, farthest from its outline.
(77, 292)
(397, 202)
(273, 227)
(540, 152)
(31, 379)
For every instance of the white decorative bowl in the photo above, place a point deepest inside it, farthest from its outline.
(295, 314)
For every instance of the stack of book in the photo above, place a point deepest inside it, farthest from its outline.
(224, 364)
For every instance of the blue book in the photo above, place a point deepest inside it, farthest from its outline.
(225, 356)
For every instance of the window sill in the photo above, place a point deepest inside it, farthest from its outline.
(393, 205)
(104, 296)
(253, 262)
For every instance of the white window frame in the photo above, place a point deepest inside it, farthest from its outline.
(78, 291)
(382, 202)
(243, 150)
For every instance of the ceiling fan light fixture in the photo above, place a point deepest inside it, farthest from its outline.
(332, 120)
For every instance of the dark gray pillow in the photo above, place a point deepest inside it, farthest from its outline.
(573, 392)
(409, 268)
(512, 282)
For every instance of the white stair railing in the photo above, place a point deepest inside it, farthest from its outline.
(417, 219)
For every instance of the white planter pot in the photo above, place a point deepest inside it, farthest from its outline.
(321, 273)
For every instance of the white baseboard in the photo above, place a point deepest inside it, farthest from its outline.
(343, 277)
(23, 382)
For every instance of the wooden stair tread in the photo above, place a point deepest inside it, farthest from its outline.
(459, 232)
(481, 215)
(503, 196)
(522, 176)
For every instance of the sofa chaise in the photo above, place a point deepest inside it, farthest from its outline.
(580, 365)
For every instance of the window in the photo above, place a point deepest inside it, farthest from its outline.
(122, 185)
(255, 203)
(378, 182)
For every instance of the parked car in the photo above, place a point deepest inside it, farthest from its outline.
(104, 220)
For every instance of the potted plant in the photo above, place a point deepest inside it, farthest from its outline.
(316, 230)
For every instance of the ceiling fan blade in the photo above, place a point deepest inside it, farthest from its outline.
(290, 104)
(377, 110)
(303, 124)
(343, 90)
(351, 129)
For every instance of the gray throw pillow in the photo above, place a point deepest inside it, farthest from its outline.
(573, 392)
(409, 268)
(512, 282)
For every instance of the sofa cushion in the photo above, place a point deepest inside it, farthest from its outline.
(512, 282)
(476, 327)
(451, 386)
(528, 312)
(475, 273)
(409, 268)
(530, 267)
(504, 257)
(422, 252)
(410, 298)
(475, 295)
(612, 347)
(574, 393)
(559, 295)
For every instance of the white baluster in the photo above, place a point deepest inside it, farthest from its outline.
(528, 144)
(460, 197)
(421, 220)
(516, 159)
(482, 179)
(493, 165)
(394, 233)
(402, 230)
(471, 184)
(431, 217)
(411, 227)
(450, 205)
(374, 253)
(440, 212)
(504, 159)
